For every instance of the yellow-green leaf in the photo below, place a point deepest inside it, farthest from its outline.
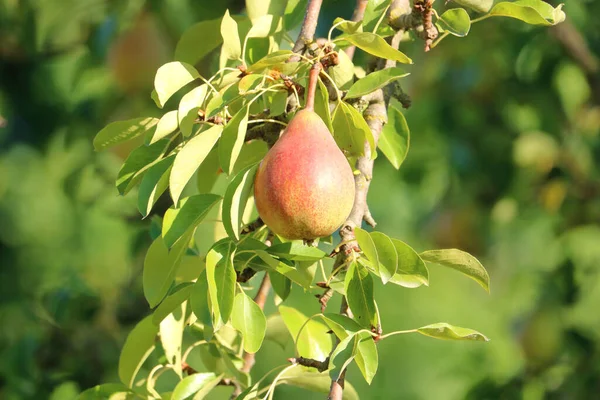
(171, 77)
(460, 261)
(250, 321)
(121, 131)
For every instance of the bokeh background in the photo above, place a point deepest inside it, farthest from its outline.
(503, 163)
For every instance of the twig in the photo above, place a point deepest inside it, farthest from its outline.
(253, 226)
(309, 26)
(358, 15)
(309, 362)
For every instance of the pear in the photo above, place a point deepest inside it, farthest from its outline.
(304, 187)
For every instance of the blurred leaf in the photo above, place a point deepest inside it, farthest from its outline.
(107, 391)
(281, 284)
(322, 105)
(443, 330)
(375, 80)
(297, 251)
(572, 86)
(121, 131)
(138, 162)
(138, 346)
(455, 21)
(294, 13)
(167, 124)
(277, 331)
(180, 294)
(171, 77)
(387, 256)
(191, 211)
(190, 103)
(395, 137)
(221, 280)
(534, 12)
(250, 321)
(314, 341)
(347, 26)
(270, 60)
(460, 261)
(377, 46)
(359, 293)
(481, 6)
(279, 103)
(232, 140)
(315, 382)
(154, 183)
(261, 26)
(189, 159)
(193, 383)
(231, 38)
(412, 271)
(199, 40)
(342, 73)
(350, 130)
(235, 200)
(233, 369)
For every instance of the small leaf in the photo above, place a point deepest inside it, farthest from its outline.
(387, 256)
(235, 200)
(180, 294)
(231, 38)
(297, 251)
(261, 26)
(221, 278)
(376, 45)
(270, 60)
(342, 355)
(191, 211)
(367, 245)
(121, 131)
(350, 130)
(224, 98)
(412, 271)
(367, 358)
(348, 26)
(137, 347)
(455, 21)
(443, 330)
(189, 159)
(279, 104)
(322, 105)
(190, 103)
(359, 292)
(171, 336)
(460, 261)
(166, 125)
(232, 140)
(533, 12)
(138, 162)
(375, 80)
(298, 274)
(282, 285)
(314, 341)
(481, 6)
(250, 321)
(395, 138)
(373, 12)
(199, 301)
(198, 41)
(154, 183)
(249, 82)
(171, 77)
(342, 73)
(194, 383)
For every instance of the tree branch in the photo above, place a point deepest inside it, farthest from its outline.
(309, 362)
(358, 15)
(309, 26)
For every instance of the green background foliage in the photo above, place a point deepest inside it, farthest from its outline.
(503, 163)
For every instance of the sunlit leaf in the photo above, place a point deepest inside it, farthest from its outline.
(231, 38)
(481, 6)
(279, 103)
(294, 13)
(350, 130)
(171, 77)
(221, 280)
(533, 12)
(121, 131)
(377, 46)
(190, 385)
(154, 183)
(138, 162)
(342, 355)
(412, 271)
(342, 73)
(322, 105)
(232, 140)
(270, 60)
(375, 80)
(386, 254)
(137, 347)
(180, 294)
(199, 40)
(460, 261)
(373, 11)
(315, 382)
(394, 140)
(190, 103)
(348, 26)
(443, 330)
(167, 124)
(250, 321)
(107, 391)
(235, 200)
(190, 212)
(455, 21)
(314, 341)
(171, 337)
(297, 251)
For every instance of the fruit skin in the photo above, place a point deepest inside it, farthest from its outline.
(304, 187)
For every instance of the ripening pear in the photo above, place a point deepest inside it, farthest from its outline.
(304, 187)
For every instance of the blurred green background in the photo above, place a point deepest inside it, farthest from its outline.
(505, 143)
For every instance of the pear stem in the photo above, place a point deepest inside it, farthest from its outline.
(313, 78)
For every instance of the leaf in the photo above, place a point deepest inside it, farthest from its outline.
(314, 341)
(359, 293)
(107, 391)
(387, 256)
(250, 321)
(279, 104)
(367, 245)
(298, 274)
(139, 161)
(166, 125)
(412, 271)
(208, 172)
(376, 45)
(443, 330)
(199, 301)
(261, 26)
(180, 294)
(315, 382)
(277, 331)
(231, 38)
(350, 130)
(189, 159)
(367, 358)
(138, 346)
(294, 13)
(193, 383)
(191, 211)
(270, 60)
(341, 356)
(221, 278)
(249, 82)
(455, 21)
(252, 153)
(395, 138)
(171, 77)
(282, 285)
(171, 336)
(199, 40)
(154, 183)
(322, 105)
(481, 6)
(224, 98)
(375, 80)
(235, 200)
(533, 12)
(121, 131)
(460, 261)
(190, 103)
(160, 267)
(342, 73)
(373, 12)
(296, 250)
(232, 140)
(348, 26)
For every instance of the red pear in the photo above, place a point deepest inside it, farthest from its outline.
(304, 187)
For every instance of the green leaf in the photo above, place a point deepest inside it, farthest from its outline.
(189, 159)
(342, 73)
(180, 294)
(208, 172)
(460, 261)
(297, 251)
(443, 330)
(160, 267)
(199, 301)
(481, 6)
(348, 26)
(341, 356)
(300, 275)
(314, 341)
(412, 271)
(171, 77)
(282, 285)
(191, 211)
(533, 12)
(221, 278)
(138, 346)
(252, 153)
(373, 12)
(171, 336)
(279, 103)
(367, 245)
(270, 60)
(232, 140)
(455, 21)
(224, 98)
(341, 325)
(190, 385)
(277, 331)
(198, 41)
(190, 103)
(138, 162)
(250, 321)
(154, 183)
(107, 391)
(359, 292)
(322, 105)
(395, 137)
(262, 26)
(165, 126)
(376, 45)
(121, 131)
(375, 80)
(294, 13)
(350, 130)
(315, 382)
(231, 38)
(249, 82)
(367, 358)
(387, 256)
(236, 199)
